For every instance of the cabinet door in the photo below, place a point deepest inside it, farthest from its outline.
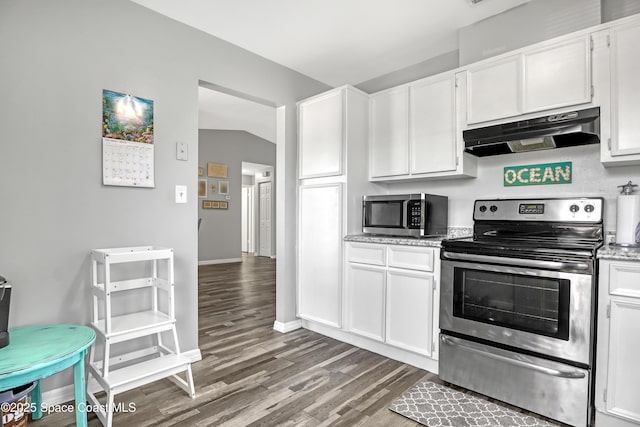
(320, 253)
(389, 149)
(365, 300)
(558, 75)
(432, 124)
(625, 90)
(321, 135)
(493, 90)
(410, 310)
(623, 370)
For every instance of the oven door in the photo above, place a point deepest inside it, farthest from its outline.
(543, 311)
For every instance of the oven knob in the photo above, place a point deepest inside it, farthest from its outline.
(483, 208)
(589, 208)
(574, 208)
(493, 208)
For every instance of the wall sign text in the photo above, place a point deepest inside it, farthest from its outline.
(542, 174)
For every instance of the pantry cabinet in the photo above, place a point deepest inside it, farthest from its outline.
(552, 75)
(617, 370)
(321, 135)
(392, 295)
(624, 62)
(333, 138)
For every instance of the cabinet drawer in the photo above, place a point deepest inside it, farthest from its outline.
(412, 257)
(367, 253)
(624, 279)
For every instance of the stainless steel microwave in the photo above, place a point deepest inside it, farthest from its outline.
(415, 215)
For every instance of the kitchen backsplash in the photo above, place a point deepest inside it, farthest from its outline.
(590, 179)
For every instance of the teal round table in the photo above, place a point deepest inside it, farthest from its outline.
(35, 352)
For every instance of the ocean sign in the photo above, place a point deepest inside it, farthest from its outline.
(542, 174)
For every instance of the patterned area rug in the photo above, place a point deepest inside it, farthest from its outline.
(435, 405)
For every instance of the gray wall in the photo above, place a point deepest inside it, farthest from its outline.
(56, 57)
(220, 231)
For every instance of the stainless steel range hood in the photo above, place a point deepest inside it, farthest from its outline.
(568, 129)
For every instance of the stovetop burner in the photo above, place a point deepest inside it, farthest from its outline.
(557, 229)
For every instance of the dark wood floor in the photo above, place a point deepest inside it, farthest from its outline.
(251, 375)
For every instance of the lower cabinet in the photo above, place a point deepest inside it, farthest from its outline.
(617, 368)
(409, 314)
(391, 295)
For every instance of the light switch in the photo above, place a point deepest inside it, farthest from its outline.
(181, 194)
(182, 151)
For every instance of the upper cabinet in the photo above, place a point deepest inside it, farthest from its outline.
(624, 62)
(552, 75)
(432, 125)
(389, 133)
(415, 132)
(493, 90)
(322, 133)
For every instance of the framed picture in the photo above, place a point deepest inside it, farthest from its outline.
(224, 205)
(223, 187)
(215, 204)
(214, 188)
(200, 171)
(216, 170)
(202, 188)
(206, 204)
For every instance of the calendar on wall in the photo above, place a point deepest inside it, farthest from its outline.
(127, 140)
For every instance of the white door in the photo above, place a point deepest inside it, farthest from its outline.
(558, 75)
(433, 125)
(365, 300)
(389, 150)
(410, 310)
(265, 219)
(320, 253)
(321, 136)
(247, 219)
(494, 90)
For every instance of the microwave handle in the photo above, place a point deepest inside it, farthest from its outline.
(405, 213)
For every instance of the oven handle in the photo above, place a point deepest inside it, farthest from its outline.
(520, 262)
(521, 363)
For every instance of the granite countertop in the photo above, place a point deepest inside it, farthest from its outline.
(452, 232)
(619, 253)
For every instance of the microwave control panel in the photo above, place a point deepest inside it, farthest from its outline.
(414, 214)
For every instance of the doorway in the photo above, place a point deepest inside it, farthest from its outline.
(265, 218)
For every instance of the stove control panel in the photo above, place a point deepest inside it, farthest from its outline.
(586, 209)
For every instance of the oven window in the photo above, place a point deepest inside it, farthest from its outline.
(384, 214)
(528, 303)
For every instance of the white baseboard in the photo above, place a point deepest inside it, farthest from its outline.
(287, 327)
(272, 257)
(408, 357)
(219, 261)
(66, 393)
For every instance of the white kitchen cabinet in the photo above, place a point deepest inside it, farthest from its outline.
(320, 253)
(494, 89)
(618, 346)
(321, 135)
(365, 296)
(392, 295)
(409, 314)
(330, 192)
(432, 125)
(547, 76)
(415, 132)
(557, 75)
(389, 154)
(624, 63)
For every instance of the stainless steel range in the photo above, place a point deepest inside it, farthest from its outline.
(517, 309)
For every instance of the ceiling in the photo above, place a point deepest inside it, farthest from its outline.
(334, 41)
